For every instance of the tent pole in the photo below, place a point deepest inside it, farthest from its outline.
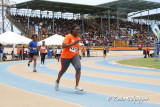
(117, 22)
(109, 21)
(83, 23)
(53, 21)
(28, 21)
(101, 24)
(141, 21)
(148, 21)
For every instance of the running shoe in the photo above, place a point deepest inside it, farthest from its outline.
(34, 70)
(77, 88)
(56, 86)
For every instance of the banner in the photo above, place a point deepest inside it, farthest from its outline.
(36, 29)
(131, 32)
(155, 30)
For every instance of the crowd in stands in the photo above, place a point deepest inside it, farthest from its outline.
(92, 32)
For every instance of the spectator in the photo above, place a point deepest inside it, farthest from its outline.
(146, 52)
(92, 33)
(83, 52)
(26, 55)
(88, 51)
(19, 53)
(1, 52)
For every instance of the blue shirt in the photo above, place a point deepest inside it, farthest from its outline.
(87, 49)
(33, 45)
(1, 50)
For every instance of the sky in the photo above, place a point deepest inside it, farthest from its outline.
(91, 2)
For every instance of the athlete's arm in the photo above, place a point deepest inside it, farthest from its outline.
(29, 47)
(47, 47)
(39, 47)
(65, 45)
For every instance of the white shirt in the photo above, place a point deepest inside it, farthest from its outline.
(58, 51)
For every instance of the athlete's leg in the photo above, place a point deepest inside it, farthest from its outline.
(41, 58)
(58, 58)
(31, 58)
(64, 66)
(77, 65)
(44, 56)
(34, 58)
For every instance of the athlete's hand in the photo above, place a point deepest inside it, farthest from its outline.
(30, 48)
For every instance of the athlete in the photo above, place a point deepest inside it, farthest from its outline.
(33, 52)
(58, 53)
(70, 55)
(43, 50)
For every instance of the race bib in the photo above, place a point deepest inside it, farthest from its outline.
(73, 49)
(43, 48)
(34, 48)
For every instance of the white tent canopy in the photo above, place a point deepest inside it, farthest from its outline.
(11, 38)
(54, 40)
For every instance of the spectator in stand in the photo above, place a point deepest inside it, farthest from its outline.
(92, 34)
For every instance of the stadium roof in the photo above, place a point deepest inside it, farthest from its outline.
(59, 7)
(124, 7)
(131, 5)
(151, 17)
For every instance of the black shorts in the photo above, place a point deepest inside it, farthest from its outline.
(104, 52)
(32, 54)
(58, 55)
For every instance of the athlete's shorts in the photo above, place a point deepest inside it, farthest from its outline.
(66, 62)
(32, 54)
(57, 55)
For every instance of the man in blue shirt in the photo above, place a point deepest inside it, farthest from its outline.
(158, 43)
(33, 51)
(1, 52)
(88, 51)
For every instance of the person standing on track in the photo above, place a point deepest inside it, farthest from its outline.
(104, 51)
(1, 52)
(83, 52)
(88, 51)
(58, 53)
(70, 55)
(33, 51)
(43, 50)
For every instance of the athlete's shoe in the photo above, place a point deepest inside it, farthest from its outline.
(34, 70)
(56, 86)
(77, 88)
(41, 65)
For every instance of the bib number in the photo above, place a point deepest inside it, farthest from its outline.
(43, 47)
(73, 49)
(34, 48)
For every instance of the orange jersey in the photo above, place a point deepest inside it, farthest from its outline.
(83, 50)
(147, 48)
(19, 50)
(72, 50)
